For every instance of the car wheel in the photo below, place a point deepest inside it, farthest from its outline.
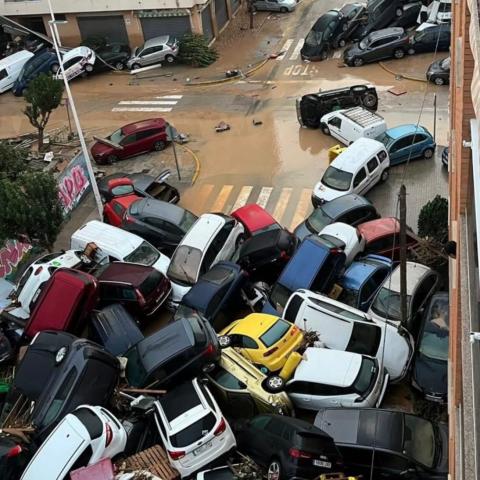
(399, 12)
(325, 129)
(324, 54)
(273, 384)
(224, 341)
(111, 159)
(428, 153)
(159, 145)
(342, 43)
(398, 53)
(369, 100)
(169, 58)
(439, 81)
(411, 51)
(136, 66)
(54, 68)
(384, 175)
(283, 10)
(274, 471)
(357, 62)
(119, 66)
(89, 68)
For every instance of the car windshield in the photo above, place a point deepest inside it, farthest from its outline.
(387, 304)
(337, 179)
(193, 432)
(385, 138)
(117, 136)
(445, 65)
(419, 440)
(313, 38)
(187, 221)
(150, 283)
(318, 220)
(145, 254)
(275, 333)
(349, 297)
(365, 376)
(365, 339)
(434, 342)
(279, 296)
(121, 190)
(171, 41)
(185, 264)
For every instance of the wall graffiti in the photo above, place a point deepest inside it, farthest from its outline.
(10, 256)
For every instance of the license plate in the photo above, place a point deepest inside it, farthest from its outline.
(201, 449)
(321, 463)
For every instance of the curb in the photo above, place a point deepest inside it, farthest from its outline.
(408, 77)
(197, 162)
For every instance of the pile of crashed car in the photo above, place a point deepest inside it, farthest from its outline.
(384, 29)
(201, 339)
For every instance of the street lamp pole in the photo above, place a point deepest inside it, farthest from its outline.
(88, 163)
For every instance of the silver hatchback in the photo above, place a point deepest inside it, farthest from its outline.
(275, 5)
(155, 50)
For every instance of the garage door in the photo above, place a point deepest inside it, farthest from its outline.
(156, 26)
(235, 5)
(207, 23)
(221, 13)
(111, 26)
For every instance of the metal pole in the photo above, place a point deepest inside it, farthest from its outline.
(435, 117)
(83, 145)
(68, 116)
(403, 255)
(172, 138)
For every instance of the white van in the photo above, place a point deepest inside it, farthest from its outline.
(353, 123)
(10, 68)
(114, 244)
(356, 170)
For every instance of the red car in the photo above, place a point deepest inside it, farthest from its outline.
(130, 140)
(255, 219)
(66, 300)
(382, 237)
(123, 195)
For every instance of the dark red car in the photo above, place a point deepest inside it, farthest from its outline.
(382, 237)
(130, 140)
(67, 298)
(255, 219)
(140, 289)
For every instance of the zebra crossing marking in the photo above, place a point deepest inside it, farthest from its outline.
(285, 48)
(302, 208)
(265, 193)
(282, 203)
(296, 51)
(164, 104)
(242, 197)
(222, 198)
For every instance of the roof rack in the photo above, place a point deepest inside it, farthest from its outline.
(362, 116)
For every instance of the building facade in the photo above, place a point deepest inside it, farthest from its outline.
(126, 21)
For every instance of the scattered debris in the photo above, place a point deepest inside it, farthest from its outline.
(396, 91)
(232, 73)
(48, 157)
(222, 127)
(257, 122)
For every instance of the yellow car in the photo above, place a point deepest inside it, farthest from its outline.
(263, 339)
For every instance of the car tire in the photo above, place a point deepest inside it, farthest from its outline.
(274, 470)
(135, 66)
(384, 175)
(398, 53)
(357, 62)
(411, 51)
(369, 100)
(169, 58)
(342, 43)
(324, 54)
(428, 153)
(119, 66)
(273, 384)
(111, 159)
(439, 81)
(88, 68)
(224, 341)
(325, 129)
(399, 12)
(283, 10)
(159, 145)
(54, 68)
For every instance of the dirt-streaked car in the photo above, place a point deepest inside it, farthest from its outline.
(243, 390)
(78, 61)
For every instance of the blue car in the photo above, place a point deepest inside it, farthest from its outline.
(214, 291)
(362, 279)
(315, 266)
(407, 141)
(45, 61)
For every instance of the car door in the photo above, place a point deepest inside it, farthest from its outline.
(374, 170)
(223, 243)
(130, 147)
(143, 140)
(300, 393)
(114, 212)
(360, 182)
(273, 5)
(335, 127)
(376, 50)
(255, 438)
(148, 56)
(400, 149)
(419, 299)
(444, 41)
(419, 143)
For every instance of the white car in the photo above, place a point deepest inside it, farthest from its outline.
(29, 286)
(77, 61)
(332, 378)
(212, 238)
(192, 427)
(350, 236)
(341, 327)
(82, 438)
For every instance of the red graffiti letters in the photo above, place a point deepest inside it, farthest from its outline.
(11, 254)
(72, 186)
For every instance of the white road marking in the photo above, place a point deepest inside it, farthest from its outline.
(171, 97)
(242, 197)
(265, 193)
(146, 102)
(296, 50)
(141, 109)
(221, 198)
(282, 204)
(285, 49)
(302, 208)
(337, 54)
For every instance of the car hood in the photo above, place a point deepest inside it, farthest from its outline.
(435, 67)
(325, 193)
(398, 352)
(100, 148)
(312, 50)
(430, 375)
(352, 51)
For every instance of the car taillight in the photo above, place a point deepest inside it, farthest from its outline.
(108, 435)
(140, 297)
(269, 352)
(210, 350)
(296, 453)
(14, 451)
(336, 250)
(221, 428)
(176, 455)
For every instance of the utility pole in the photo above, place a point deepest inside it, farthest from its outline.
(435, 116)
(403, 255)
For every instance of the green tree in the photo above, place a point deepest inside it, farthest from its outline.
(12, 161)
(433, 220)
(194, 50)
(43, 95)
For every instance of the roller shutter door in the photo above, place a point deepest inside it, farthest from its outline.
(157, 26)
(235, 5)
(110, 26)
(221, 13)
(207, 23)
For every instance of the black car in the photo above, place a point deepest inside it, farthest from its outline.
(287, 447)
(318, 42)
(409, 17)
(176, 352)
(161, 223)
(378, 45)
(312, 107)
(430, 364)
(445, 156)
(59, 372)
(351, 209)
(352, 16)
(114, 55)
(406, 446)
(431, 39)
(439, 72)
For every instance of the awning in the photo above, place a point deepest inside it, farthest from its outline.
(171, 12)
(14, 28)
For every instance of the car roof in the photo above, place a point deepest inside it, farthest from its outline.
(263, 241)
(415, 273)
(254, 216)
(407, 129)
(356, 274)
(179, 400)
(348, 7)
(350, 160)
(386, 32)
(125, 272)
(366, 427)
(81, 51)
(381, 227)
(161, 39)
(339, 205)
(143, 125)
(254, 325)
(159, 209)
(344, 232)
(331, 367)
(298, 424)
(202, 231)
(16, 57)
